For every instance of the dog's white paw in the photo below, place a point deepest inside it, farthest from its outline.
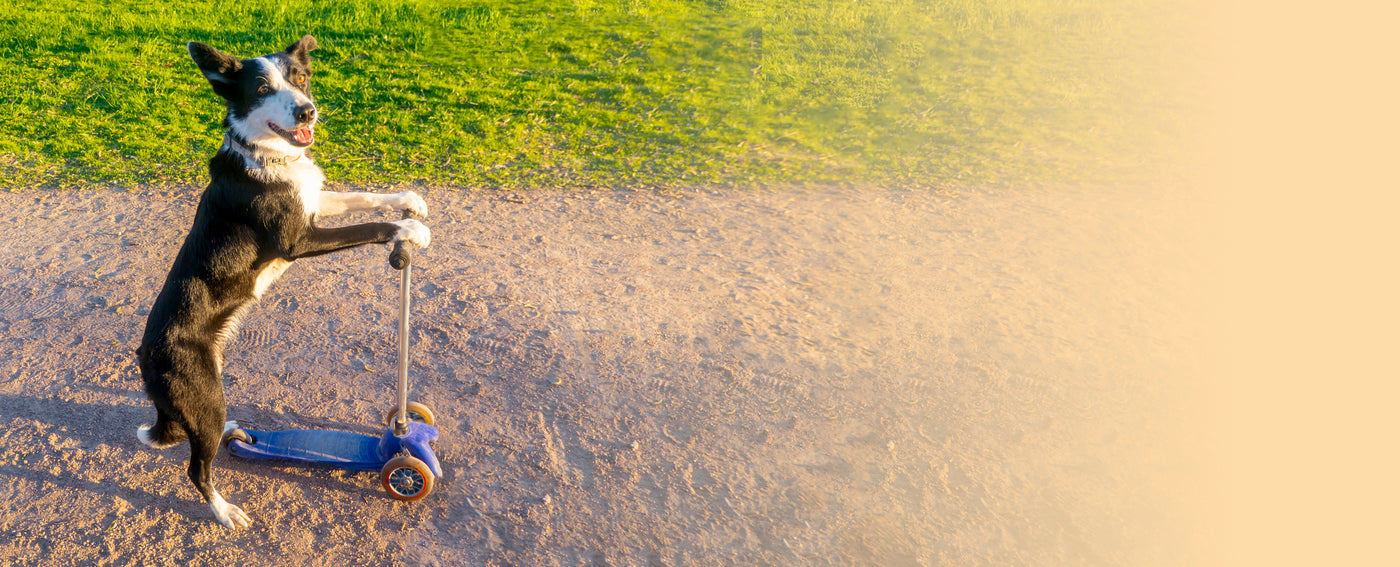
(227, 514)
(412, 231)
(411, 202)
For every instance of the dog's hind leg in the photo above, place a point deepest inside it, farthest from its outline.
(202, 417)
(205, 437)
(163, 435)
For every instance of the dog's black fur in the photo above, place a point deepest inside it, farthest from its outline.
(252, 221)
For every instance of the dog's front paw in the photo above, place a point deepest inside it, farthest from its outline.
(411, 202)
(412, 231)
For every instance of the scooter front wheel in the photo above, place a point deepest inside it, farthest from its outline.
(416, 412)
(406, 478)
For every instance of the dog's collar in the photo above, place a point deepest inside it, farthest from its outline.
(232, 143)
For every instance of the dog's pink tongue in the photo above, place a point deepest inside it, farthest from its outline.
(304, 135)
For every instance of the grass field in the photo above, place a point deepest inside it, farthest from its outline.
(587, 92)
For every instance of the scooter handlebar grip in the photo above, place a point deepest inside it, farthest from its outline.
(402, 255)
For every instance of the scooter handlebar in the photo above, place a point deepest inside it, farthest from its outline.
(402, 255)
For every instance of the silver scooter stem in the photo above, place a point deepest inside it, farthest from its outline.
(401, 424)
(402, 259)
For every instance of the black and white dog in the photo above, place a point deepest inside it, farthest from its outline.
(258, 214)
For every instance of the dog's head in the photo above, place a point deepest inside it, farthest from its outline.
(269, 97)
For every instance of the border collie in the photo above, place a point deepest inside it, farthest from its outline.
(258, 214)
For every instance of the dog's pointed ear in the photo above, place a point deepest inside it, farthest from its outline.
(300, 49)
(216, 66)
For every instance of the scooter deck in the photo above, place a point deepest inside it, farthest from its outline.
(340, 448)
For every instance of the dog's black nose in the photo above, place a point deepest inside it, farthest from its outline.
(305, 113)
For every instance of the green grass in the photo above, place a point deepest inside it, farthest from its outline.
(591, 92)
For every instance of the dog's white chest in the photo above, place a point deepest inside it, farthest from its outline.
(308, 179)
(304, 175)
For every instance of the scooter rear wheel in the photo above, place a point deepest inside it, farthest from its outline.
(238, 434)
(406, 478)
(416, 412)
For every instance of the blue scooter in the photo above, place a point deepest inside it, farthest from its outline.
(402, 455)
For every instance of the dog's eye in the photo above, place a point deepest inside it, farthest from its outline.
(264, 89)
(301, 79)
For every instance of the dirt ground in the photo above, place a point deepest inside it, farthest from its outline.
(788, 376)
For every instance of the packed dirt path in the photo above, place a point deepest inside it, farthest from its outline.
(795, 376)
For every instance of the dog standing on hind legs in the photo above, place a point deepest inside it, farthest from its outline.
(256, 217)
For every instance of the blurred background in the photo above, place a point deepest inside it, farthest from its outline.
(534, 93)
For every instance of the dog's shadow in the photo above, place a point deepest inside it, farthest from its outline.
(66, 426)
(89, 432)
